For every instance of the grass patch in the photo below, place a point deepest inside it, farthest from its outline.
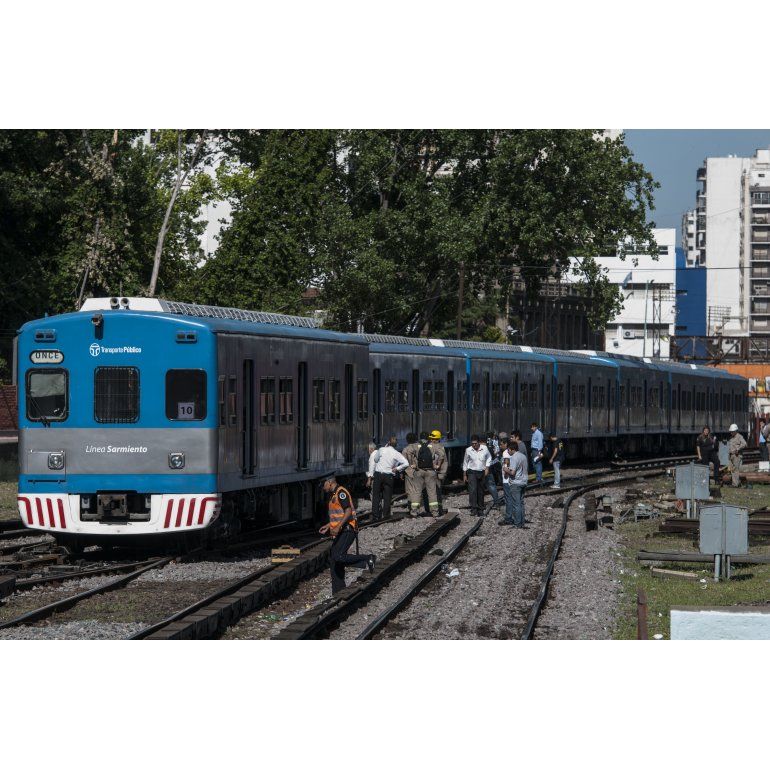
(8, 509)
(750, 584)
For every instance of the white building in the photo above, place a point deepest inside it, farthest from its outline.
(733, 241)
(691, 254)
(645, 324)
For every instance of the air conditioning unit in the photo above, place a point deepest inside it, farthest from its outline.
(628, 335)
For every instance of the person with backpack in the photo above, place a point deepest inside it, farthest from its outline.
(424, 478)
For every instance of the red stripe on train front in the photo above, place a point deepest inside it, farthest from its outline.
(49, 505)
(62, 520)
(28, 505)
(190, 512)
(179, 512)
(39, 506)
(203, 508)
(168, 513)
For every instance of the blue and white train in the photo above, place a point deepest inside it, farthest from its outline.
(143, 417)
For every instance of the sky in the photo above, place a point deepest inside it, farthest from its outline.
(673, 157)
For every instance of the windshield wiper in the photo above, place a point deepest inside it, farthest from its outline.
(46, 422)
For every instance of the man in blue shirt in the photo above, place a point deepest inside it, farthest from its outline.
(537, 451)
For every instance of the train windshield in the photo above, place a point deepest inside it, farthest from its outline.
(47, 395)
(186, 394)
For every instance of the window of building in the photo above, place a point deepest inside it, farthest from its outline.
(334, 400)
(439, 398)
(319, 400)
(185, 394)
(286, 400)
(362, 401)
(47, 395)
(390, 395)
(403, 396)
(116, 394)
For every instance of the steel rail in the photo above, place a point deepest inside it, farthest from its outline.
(545, 581)
(331, 611)
(41, 613)
(383, 618)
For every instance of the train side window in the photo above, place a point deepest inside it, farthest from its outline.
(363, 400)
(334, 400)
(573, 398)
(495, 395)
(286, 400)
(547, 403)
(523, 395)
(403, 396)
(594, 396)
(116, 394)
(601, 396)
(390, 395)
(267, 400)
(47, 395)
(221, 400)
(560, 395)
(674, 399)
(232, 393)
(533, 395)
(439, 401)
(186, 394)
(581, 395)
(462, 396)
(475, 396)
(505, 395)
(427, 395)
(611, 399)
(319, 400)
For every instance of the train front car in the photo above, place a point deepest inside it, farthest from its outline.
(117, 423)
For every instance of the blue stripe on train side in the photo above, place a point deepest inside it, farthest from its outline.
(166, 483)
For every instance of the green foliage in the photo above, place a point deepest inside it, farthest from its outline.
(80, 213)
(382, 221)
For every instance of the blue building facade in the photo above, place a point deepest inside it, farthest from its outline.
(690, 306)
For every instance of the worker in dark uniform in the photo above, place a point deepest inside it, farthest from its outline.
(343, 527)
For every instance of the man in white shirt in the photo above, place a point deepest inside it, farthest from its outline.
(384, 464)
(515, 477)
(475, 469)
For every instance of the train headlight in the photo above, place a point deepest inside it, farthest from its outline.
(176, 460)
(56, 461)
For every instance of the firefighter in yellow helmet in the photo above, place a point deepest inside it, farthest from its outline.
(440, 464)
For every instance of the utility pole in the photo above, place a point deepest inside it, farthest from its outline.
(460, 300)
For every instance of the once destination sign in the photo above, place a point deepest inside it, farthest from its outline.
(46, 356)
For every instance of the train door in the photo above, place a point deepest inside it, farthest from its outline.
(516, 402)
(609, 402)
(590, 397)
(450, 404)
(416, 401)
(678, 406)
(349, 414)
(302, 416)
(645, 404)
(542, 402)
(486, 399)
(569, 403)
(377, 406)
(248, 422)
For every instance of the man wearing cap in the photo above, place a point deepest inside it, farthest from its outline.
(343, 527)
(735, 447)
(440, 464)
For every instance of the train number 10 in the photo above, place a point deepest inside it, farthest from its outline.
(185, 410)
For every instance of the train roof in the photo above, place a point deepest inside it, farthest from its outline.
(665, 366)
(215, 319)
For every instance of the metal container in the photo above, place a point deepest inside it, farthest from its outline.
(724, 530)
(692, 482)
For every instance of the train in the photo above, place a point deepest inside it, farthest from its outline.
(143, 417)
